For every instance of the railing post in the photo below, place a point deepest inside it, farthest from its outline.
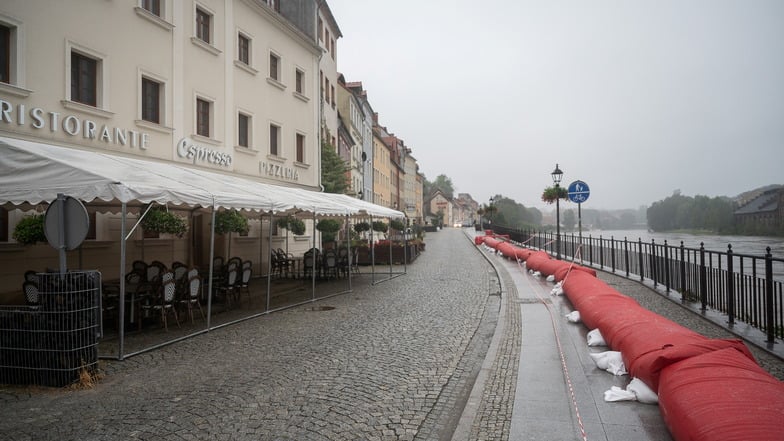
(769, 325)
(730, 287)
(590, 249)
(639, 256)
(626, 254)
(601, 252)
(612, 253)
(654, 275)
(703, 278)
(666, 266)
(683, 272)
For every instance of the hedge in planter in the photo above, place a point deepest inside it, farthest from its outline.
(30, 230)
(293, 224)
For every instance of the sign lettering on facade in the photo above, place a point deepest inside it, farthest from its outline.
(187, 149)
(278, 171)
(72, 125)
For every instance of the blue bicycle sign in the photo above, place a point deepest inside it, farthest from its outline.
(579, 192)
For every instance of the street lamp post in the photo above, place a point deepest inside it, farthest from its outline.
(557, 174)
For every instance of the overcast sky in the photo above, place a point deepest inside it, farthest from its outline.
(635, 97)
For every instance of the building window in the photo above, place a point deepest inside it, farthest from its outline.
(326, 38)
(326, 90)
(274, 67)
(5, 54)
(243, 49)
(151, 101)
(274, 140)
(152, 6)
(91, 230)
(203, 24)
(203, 117)
(300, 148)
(243, 130)
(300, 80)
(332, 95)
(84, 79)
(332, 48)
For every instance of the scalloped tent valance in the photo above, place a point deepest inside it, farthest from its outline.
(33, 173)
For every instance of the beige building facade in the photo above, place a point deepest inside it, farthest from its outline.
(230, 86)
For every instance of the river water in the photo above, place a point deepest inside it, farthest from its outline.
(749, 245)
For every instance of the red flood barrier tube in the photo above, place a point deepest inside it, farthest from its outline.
(721, 396)
(536, 260)
(479, 240)
(561, 272)
(647, 367)
(507, 249)
(492, 243)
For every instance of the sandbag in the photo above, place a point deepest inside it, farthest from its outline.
(721, 396)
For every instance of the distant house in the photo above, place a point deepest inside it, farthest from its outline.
(439, 202)
(763, 213)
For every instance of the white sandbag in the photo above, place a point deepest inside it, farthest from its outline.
(610, 361)
(643, 393)
(550, 278)
(595, 338)
(573, 317)
(556, 292)
(636, 390)
(558, 285)
(617, 394)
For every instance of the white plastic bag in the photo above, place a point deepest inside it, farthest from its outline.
(537, 274)
(556, 292)
(573, 317)
(595, 338)
(610, 361)
(550, 278)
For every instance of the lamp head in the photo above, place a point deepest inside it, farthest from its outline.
(557, 174)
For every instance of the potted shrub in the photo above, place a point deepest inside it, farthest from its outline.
(293, 224)
(230, 221)
(328, 229)
(161, 220)
(30, 230)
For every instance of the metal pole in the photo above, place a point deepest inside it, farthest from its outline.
(212, 264)
(769, 296)
(121, 318)
(730, 287)
(703, 278)
(557, 221)
(313, 270)
(269, 260)
(348, 249)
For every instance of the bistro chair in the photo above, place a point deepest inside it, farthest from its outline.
(308, 261)
(244, 281)
(164, 301)
(31, 276)
(229, 287)
(330, 263)
(139, 266)
(193, 293)
(31, 294)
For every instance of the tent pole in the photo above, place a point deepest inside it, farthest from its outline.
(269, 262)
(121, 318)
(313, 269)
(212, 264)
(372, 254)
(389, 239)
(348, 250)
(405, 250)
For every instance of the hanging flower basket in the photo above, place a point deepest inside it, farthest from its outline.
(361, 227)
(160, 220)
(379, 226)
(550, 194)
(397, 225)
(293, 224)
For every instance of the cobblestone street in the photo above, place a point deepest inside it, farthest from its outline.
(395, 361)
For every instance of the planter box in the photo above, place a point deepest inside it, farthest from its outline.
(382, 255)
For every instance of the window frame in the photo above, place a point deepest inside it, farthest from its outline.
(300, 142)
(6, 59)
(244, 53)
(145, 106)
(299, 81)
(200, 113)
(86, 90)
(274, 140)
(248, 130)
(154, 7)
(200, 26)
(274, 67)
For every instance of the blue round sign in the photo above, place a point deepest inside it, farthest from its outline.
(579, 192)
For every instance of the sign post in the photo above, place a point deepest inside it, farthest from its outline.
(65, 225)
(579, 192)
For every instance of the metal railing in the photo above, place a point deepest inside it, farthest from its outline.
(747, 288)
